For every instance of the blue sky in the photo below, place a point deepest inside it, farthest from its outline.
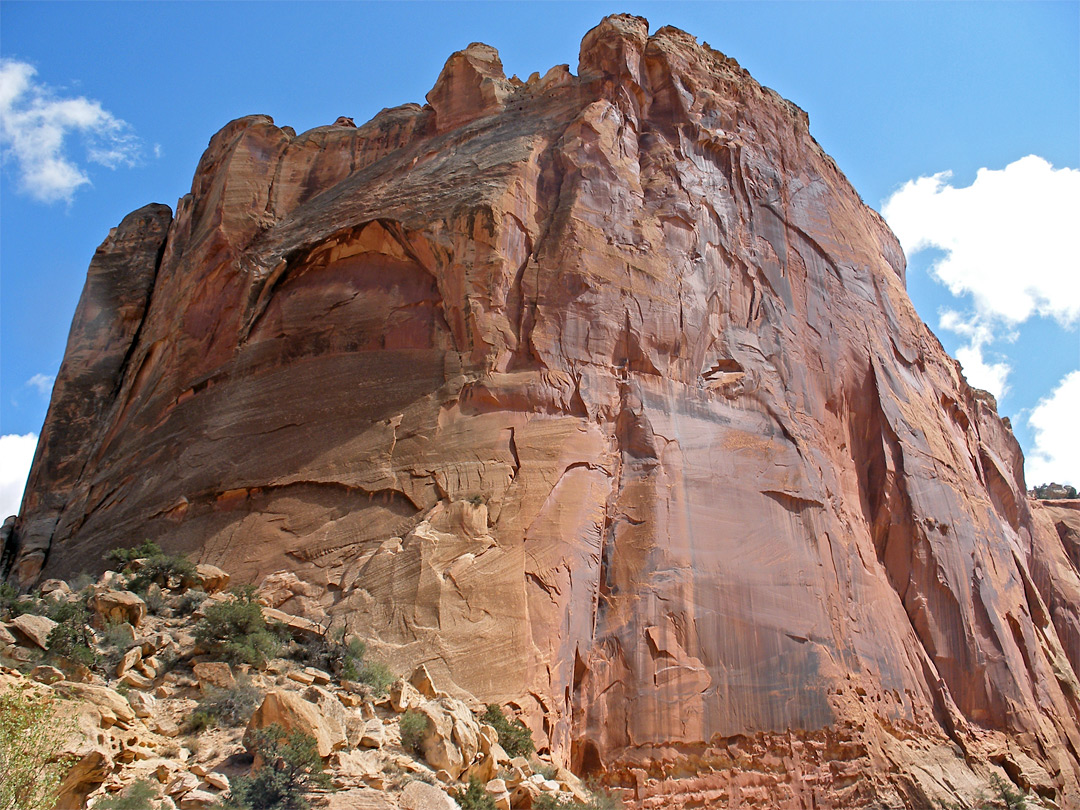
(895, 92)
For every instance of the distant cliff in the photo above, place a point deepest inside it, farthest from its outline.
(600, 395)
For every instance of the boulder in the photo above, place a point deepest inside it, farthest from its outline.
(421, 680)
(29, 629)
(419, 795)
(211, 578)
(214, 674)
(291, 711)
(141, 703)
(113, 606)
(6, 637)
(404, 696)
(130, 659)
(91, 768)
(452, 738)
(112, 705)
(198, 800)
(217, 780)
(46, 674)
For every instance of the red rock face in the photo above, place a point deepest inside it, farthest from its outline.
(602, 396)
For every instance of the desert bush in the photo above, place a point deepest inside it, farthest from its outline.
(236, 631)
(597, 801)
(30, 740)
(226, 707)
(121, 558)
(190, 601)
(13, 605)
(1007, 796)
(514, 736)
(140, 795)
(413, 725)
(289, 767)
(376, 675)
(72, 638)
(165, 571)
(474, 797)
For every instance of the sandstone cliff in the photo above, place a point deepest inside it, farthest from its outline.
(601, 395)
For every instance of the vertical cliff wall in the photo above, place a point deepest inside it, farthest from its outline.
(601, 395)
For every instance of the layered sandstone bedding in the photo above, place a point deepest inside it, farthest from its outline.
(602, 396)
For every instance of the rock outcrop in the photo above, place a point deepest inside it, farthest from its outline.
(601, 396)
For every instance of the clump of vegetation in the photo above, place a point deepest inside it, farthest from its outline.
(597, 801)
(289, 767)
(13, 605)
(474, 797)
(514, 736)
(237, 631)
(121, 558)
(139, 795)
(413, 725)
(226, 707)
(71, 639)
(157, 568)
(190, 601)
(343, 658)
(1008, 796)
(30, 740)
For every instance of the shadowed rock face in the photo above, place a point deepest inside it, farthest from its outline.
(602, 396)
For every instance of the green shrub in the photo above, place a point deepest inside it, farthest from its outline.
(1009, 797)
(413, 725)
(190, 601)
(597, 801)
(290, 766)
(72, 638)
(13, 605)
(165, 571)
(376, 675)
(514, 736)
(236, 631)
(30, 740)
(330, 652)
(121, 558)
(140, 795)
(474, 797)
(226, 707)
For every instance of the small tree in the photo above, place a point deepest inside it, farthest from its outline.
(1010, 797)
(474, 797)
(140, 795)
(514, 736)
(72, 638)
(236, 631)
(413, 725)
(289, 766)
(31, 767)
(121, 558)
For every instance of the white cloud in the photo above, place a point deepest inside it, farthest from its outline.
(16, 455)
(36, 124)
(43, 383)
(1056, 422)
(1007, 241)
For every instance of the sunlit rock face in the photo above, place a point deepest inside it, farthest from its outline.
(602, 396)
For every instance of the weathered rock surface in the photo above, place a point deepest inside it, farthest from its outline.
(602, 397)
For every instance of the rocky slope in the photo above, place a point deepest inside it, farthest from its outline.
(135, 717)
(600, 395)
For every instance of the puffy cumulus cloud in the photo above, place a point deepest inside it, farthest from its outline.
(1007, 238)
(1055, 421)
(1006, 241)
(43, 383)
(36, 126)
(16, 455)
